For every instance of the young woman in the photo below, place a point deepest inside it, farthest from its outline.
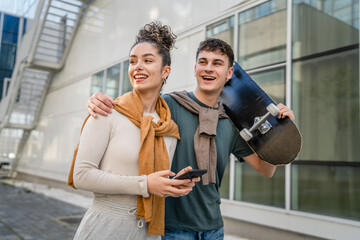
(124, 158)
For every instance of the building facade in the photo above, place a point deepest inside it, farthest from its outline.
(304, 53)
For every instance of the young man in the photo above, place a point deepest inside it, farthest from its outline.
(207, 140)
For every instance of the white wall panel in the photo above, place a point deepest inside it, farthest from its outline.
(183, 62)
(49, 150)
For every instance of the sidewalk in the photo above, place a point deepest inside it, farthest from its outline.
(38, 212)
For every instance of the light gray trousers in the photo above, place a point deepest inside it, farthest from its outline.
(109, 219)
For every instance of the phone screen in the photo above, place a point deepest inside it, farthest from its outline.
(194, 173)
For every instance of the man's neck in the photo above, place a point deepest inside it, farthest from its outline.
(209, 99)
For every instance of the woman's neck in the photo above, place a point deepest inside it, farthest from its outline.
(149, 101)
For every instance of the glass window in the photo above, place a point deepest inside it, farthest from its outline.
(225, 183)
(322, 27)
(250, 186)
(223, 30)
(273, 83)
(262, 35)
(331, 190)
(8, 48)
(112, 81)
(326, 102)
(262, 10)
(97, 82)
(126, 85)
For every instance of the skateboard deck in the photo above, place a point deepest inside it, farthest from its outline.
(254, 114)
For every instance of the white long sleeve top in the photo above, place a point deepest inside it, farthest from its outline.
(107, 159)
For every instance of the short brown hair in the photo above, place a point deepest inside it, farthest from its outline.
(214, 45)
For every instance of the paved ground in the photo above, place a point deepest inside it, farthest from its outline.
(34, 212)
(25, 214)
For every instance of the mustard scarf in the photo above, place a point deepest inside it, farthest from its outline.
(153, 154)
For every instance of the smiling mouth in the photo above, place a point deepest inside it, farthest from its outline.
(208, 78)
(140, 77)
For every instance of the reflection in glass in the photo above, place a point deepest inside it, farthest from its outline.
(8, 48)
(262, 34)
(223, 30)
(126, 85)
(326, 103)
(225, 183)
(326, 190)
(251, 187)
(97, 82)
(273, 83)
(324, 25)
(112, 81)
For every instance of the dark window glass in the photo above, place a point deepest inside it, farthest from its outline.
(8, 46)
(254, 188)
(262, 35)
(223, 30)
(324, 26)
(127, 87)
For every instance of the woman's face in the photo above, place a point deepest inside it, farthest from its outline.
(146, 72)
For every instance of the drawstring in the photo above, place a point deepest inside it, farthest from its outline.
(133, 212)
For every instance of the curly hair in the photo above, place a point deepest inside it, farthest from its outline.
(160, 36)
(214, 45)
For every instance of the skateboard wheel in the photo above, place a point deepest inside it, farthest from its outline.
(273, 109)
(246, 134)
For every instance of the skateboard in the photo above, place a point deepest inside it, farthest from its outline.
(254, 114)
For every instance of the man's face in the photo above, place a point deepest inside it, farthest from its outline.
(211, 71)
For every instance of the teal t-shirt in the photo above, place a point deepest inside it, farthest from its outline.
(200, 210)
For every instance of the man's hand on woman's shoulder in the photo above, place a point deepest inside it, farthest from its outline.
(100, 103)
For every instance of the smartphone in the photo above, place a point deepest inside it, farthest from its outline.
(194, 173)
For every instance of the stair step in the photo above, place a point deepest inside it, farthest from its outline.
(62, 15)
(60, 37)
(32, 90)
(46, 54)
(72, 23)
(46, 57)
(67, 4)
(30, 79)
(60, 29)
(57, 19)
(62, 9)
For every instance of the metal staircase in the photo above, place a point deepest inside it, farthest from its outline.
(43, 52)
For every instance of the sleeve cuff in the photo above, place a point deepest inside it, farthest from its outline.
(143, 186)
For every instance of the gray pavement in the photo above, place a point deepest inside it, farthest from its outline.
(25, 214)
(40, 212)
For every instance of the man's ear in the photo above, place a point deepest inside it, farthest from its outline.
(230, 73)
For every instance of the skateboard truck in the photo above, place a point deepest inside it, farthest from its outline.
(260, 123)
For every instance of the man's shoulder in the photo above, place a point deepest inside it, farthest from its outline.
(166, 96)
(169, 99)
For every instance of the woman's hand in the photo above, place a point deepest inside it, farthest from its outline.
(188, 184)
(160, 185)
(285, 112)
(100, 103)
